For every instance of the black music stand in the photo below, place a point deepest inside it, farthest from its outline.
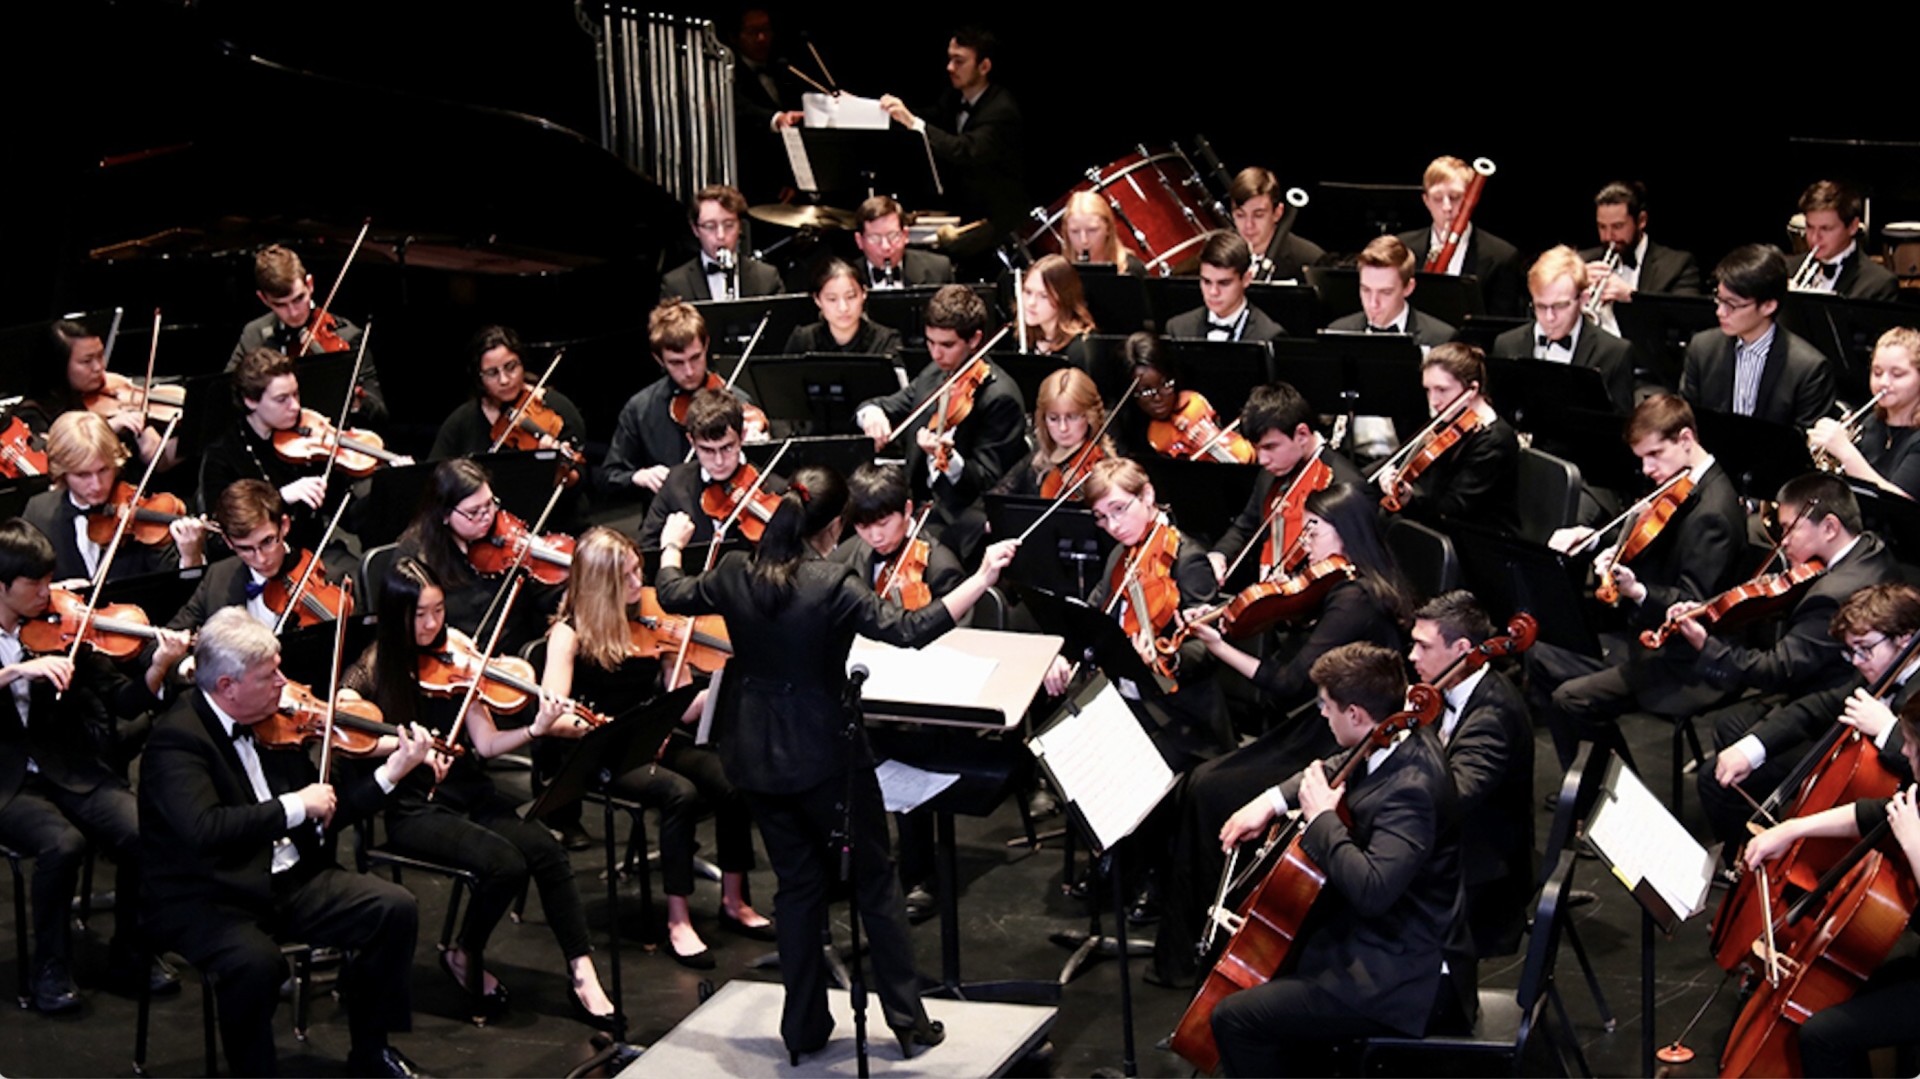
(693, 557)
(1029, 369)
(1090, 636)
(15, 494)
(819, 394)
(161, 595)
(1371, 374)
(730, 323)
(1578, 788)
(1896, 520)
(1660, 324)
(1065, 553)
(210, 412)
(905, 310)
(1758, 456)
(1117, 301)
(842, 453)
(522, 481)
(306, 654)
(1204, 496)
(324, 381)
(1227, 372)
(1537, 395)
(1844, 331)
(1510, 574)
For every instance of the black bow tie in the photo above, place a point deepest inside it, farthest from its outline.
(1551, 342)
(714, 268)
(254, 589)
(242, 733)
(1628, 260)
(1216, 324)
(1830, 270)
(886, 275)
(1371, 328)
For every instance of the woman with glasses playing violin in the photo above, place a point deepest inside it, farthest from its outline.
(462, 819)
(457, 510)
(591, 654)
(84, 457)
(500, 379)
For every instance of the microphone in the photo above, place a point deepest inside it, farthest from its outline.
(851, 698)
(858, 676)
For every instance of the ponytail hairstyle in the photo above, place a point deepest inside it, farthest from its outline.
(815, 501)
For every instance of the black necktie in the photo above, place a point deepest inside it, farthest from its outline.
(1549, 342)
(1628, 260)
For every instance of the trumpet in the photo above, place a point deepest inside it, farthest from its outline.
(1807, 277)
(1852, 421)
(1592, 307)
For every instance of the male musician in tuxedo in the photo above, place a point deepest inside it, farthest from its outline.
(975, 133)
(647, 440)
(1280, 424)
(55, 790)
(1561, 331)
(84, 457)
(1751, 365)
(1874, 627)
(283, 284)
(1643, 264)
(715, 424)
(1489, 742)
(1279, 254)
(1834, 263)
(988, 442)
(1495, 262)
(890, 263)
(766, 99)
(255, 524)
(721, 271)
(499, 380)
(1389, 954)
(1387, 281)
(1225, 314)
(240, 855)
(1697, 554)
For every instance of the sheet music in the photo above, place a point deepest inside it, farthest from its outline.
(844, 111)
(1106, 765)
(909, 675)
(905, 788)
(1643, 841)
(798, 159)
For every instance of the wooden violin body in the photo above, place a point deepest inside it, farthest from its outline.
(1434, 447)
(118, 630)
(317, 600)
(150, 516)
(955, 406)
(1193, 433)
(507, 683)
(722, 498)
(1282, 550)
(357, 452)
(548, 559)
(1743, 603)
(1145, 596)
(654, 632)
(904, 578)
(357, 724)
(1062, 477)
(1646, 528)
(321, 335)
(19, 457)
(531, 424)
(753, 421)
(161, 403)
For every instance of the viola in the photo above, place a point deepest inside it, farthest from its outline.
(118, 630)
(955, 405)
(722, 498)
(1646, 528)
(149, 519)
(19, 457)
(654, 633)
(1282, 549)
(1269, 921)
(1063, 475)
(1193, 433)
(1144, 595)
(355, 451)
(531, 424)
(506, 682)
(301, 720)
(753, 421)
(1743, 603)
(314, 601)
(548, 558)
(1435, 444)
(1262, 605)
(121, 394)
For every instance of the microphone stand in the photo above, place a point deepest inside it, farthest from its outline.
(855, 735)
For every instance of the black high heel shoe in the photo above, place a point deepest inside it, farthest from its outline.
(924, 1036)
(734, 925)
(612, 1023)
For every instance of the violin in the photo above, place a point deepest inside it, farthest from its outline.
(1260, 606)
(1645, 529)
(321, 334)
(121, 394)
(904, 577)
(118, 630)
(149, 520)
(1194, 433)
(955, 405)
(306, 581)
(506, 682)
(1287, 513)
(722, 500)
(548, 558)
(1743, 603)
(531, 424)
(1431, 445)
(1063, 475)
(753, 421)
(654, 633)
(19, 457)
(1144, 595)
(301, 719)
(356, 452)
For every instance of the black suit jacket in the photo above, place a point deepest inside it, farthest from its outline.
(1698, 553)
(991, 440)
(1193, 324)
(207, 840)
(1860, 278)
(1804, 721)
(780, 717)
(917, 267)
(1477, 480)
(984, 165)
(64, 737)
(687, 282)
(944, 572)
(53, 513)
(1425, 330)
(1490, 755)
(1594, 347)
(1807, 658)
(223, 585)
(1664, 269)
(1287, 256)
(1796, 386)
(646, 435)
(1247, 526)
(369, 405)
(1503, 280)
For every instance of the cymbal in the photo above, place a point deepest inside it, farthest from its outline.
(789, 216)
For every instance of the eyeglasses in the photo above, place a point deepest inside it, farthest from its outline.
(1857, 653)
(1553, 308)
(1103, 517)
(883, 239)
(1720, 302)
(486, 510)
(248, 550)
(1149, 394)
(718, 228)
(501, 373)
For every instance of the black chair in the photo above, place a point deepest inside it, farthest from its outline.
(1507, 1019)
(1425, 555)
(1549, 494)
(373, 571)
(299, 956)
(22, 926)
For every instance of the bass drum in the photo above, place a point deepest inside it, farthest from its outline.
(1159, 203)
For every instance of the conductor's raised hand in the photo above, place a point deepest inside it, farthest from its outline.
(997, 557)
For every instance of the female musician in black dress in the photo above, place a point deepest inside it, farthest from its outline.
(465, 821)
(844, 326)
(1067, 413)
(1883, 448)
(1054, 308)
(783, 734)
(590, 655)
(457, 510)
(1478, 479)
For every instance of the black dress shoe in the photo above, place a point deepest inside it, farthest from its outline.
(1145, 909)
(53, 988)
(920, 904)
(611, 1023)
(700, 960)
(487, 1006)
(126, 972)
(925, 1036)
(811, 1045)
(386, 1062)
(752, 932)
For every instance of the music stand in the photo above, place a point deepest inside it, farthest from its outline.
(1203, 496)
(522, 481)
(209, 412)
(905, 310)
(1227, 372)
(1844, 331)
(693, 557)
(1371, 374)
(1117, 301)
(820, 393)
(1029, 369)
(306, 654)
(161, 595)
(730, 323)
(15, 494)
(1510, 575)
(1660, 324)
(842, 453)
(324, 381)
(1064, 554)
(1088, 635)
(1758, 456)
(1533, 394)
(1896, 520)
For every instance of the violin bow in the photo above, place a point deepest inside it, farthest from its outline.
(1630, 513)
(1440, 419)
(739, 365)
(313, 564)
(480, 670)
(1217, 439)
(946, 386)
(1058, 501)
(120, 528)
(1063, 497)
(524, 554)
(1020, 319)
(306, 338)
(900, 556)
(113, 335)
(333, 694)
(346, 406)
(519, 410)
(719, 537)
(153, 354)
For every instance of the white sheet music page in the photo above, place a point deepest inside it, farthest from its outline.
(797, 158)
(912, 675)
(905, 788)
(1106, 765)
(846, 111)
(1643, 841)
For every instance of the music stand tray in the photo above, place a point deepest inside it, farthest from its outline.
(1510, 575)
